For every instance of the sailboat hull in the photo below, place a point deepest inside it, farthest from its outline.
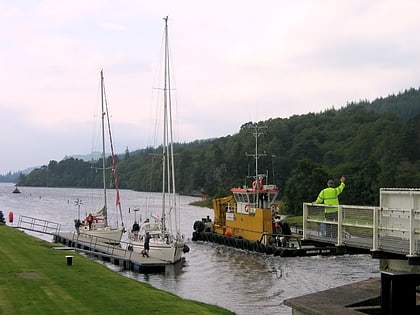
(105, 235)
(170, 253)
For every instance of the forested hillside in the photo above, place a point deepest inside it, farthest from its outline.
(372, 144)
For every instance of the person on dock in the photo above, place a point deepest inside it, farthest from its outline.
(77, 225)
(90, 220)
(135, 230)
(146, 245)
(329, 196)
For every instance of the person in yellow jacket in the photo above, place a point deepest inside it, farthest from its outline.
(329, 196)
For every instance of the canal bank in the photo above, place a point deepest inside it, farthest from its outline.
(364, 297)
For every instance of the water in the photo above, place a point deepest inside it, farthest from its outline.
(242, 282)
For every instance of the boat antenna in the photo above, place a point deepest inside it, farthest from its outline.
(257, 132)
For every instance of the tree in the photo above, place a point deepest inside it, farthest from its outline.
(127, 153)
(304, 185)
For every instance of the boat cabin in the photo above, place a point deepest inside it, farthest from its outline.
(249, 199)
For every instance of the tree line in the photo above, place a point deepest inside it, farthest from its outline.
(373, 144)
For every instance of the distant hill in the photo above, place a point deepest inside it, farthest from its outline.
(404, 105)
(87, 157)
(12, 177)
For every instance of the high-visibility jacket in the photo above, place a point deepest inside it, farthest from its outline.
(329, 196)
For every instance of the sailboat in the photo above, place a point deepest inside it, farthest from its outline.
(96, 224)
(166, 242)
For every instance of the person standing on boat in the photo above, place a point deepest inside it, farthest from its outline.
(135, 230)
(146, 245)
(329, 196)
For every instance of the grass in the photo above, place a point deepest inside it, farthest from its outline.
(207, 203)
(295, 220)
(35, 279)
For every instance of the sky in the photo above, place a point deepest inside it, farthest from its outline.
(232, 62)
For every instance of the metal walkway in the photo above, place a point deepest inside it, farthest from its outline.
(38, 225)
(393, 228)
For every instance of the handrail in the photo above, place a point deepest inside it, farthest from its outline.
(97, 243)
(386, 229)
(38, 225)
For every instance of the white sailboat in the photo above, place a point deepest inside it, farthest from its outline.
(166, 242)
(96, 224)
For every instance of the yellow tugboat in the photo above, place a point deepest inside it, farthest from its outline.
(248, 219)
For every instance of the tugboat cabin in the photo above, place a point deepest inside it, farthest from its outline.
(259, 196)
(247, 213)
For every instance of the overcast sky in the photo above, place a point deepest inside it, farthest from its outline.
(232, 62)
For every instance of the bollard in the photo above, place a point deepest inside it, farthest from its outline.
(69, 260)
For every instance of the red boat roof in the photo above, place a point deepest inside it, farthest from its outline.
(253, 191)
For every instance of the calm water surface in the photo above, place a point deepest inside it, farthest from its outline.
(245, 283)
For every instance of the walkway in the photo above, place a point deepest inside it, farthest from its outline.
(393, 228)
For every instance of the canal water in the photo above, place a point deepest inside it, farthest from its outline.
(245, 283)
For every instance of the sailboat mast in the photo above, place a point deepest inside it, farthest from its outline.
(103, 146)
(171, 174)
(168, 150)
(165, 168)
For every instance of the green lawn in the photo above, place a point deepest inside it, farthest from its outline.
(35, 279)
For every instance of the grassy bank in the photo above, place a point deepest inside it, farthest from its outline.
(34, 279)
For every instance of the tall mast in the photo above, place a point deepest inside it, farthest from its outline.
(171, 140)
(168, 150)
(103, 147)
(165, 162)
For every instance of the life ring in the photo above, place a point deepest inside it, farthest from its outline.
(254, 184)
(246, 208)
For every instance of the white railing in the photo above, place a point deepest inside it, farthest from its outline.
(384, 229)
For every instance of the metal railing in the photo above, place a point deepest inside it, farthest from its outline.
(385, 229)
(96, 244)
(38, 225)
